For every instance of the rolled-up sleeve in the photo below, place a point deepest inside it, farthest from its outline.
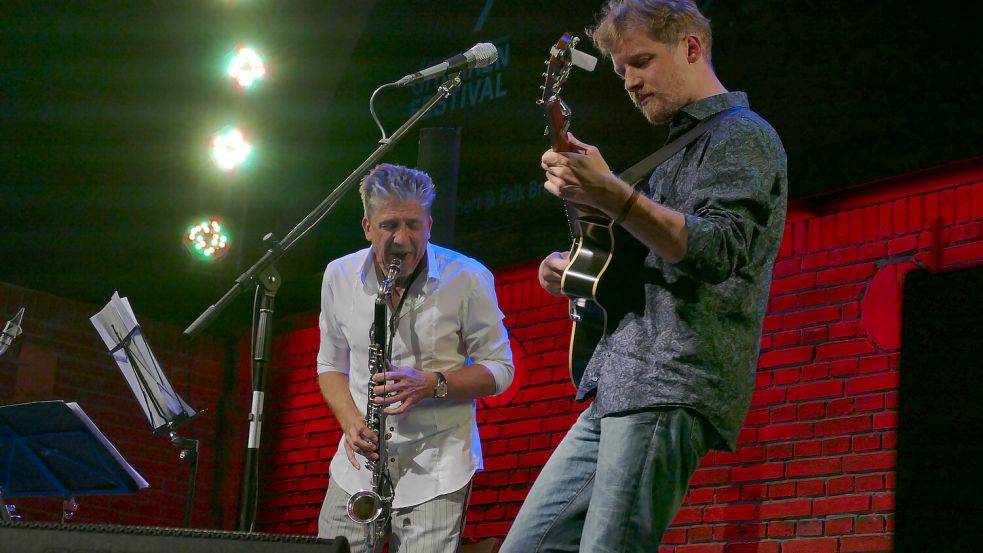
(733, 207)
(333, 351)
(483, 332)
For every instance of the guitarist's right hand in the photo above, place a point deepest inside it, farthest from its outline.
(551, 271)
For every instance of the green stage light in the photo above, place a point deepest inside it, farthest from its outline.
(246, 67)
(230, 149)
(206, 240)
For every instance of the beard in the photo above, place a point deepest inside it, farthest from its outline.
(659, 109)
(655, 111)
(665, 97)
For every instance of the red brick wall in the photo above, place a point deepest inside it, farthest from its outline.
(814, 471)
(60, 356)
(815, 467)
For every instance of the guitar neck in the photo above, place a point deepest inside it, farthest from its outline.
(557, 123)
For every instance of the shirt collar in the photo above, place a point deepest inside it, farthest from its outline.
(433, 271)
(699, 110)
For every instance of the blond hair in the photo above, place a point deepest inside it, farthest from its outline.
(666, 21)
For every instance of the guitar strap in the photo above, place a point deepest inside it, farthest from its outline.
(634, 174)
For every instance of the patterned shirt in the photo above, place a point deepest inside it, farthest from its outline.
(696, 342)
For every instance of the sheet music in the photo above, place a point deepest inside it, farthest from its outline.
(52, 447)
(141, 483)
(159, 401)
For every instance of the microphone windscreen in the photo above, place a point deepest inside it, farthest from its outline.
(483, 54)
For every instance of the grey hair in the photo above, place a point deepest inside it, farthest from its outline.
(387, 182)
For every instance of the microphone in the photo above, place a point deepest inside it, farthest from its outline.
(480, 55)
(11, 331)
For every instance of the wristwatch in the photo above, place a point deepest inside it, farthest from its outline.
(440, 389)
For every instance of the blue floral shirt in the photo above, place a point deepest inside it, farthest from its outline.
(695, 343)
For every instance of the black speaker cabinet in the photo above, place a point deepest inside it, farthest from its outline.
(939, 414)
(82, 538)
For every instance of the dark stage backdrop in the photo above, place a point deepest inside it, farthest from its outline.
(106, 108)
(856, 91)
(503, 214)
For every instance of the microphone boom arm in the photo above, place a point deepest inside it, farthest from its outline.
(314, 217)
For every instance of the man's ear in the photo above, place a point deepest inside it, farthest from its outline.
(366, 227)
(429, 226)
(694, 48)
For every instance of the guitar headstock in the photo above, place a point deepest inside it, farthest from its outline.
(563, 57)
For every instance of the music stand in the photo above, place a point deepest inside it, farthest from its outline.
(52, 448)
(163, 407)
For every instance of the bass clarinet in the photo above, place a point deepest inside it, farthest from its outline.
(372, 507)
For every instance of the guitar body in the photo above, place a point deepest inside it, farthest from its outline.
(591, 253)
(600, 292)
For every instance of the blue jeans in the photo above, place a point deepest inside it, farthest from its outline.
(613, 485)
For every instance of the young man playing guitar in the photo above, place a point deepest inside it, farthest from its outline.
(673, 375)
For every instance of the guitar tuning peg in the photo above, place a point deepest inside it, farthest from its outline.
(542, 87)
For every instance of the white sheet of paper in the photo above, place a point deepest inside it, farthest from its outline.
(159, 401)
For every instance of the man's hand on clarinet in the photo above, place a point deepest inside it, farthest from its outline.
(361, 440)
(404, 385)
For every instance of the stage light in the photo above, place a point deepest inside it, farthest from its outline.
(246, 67)
(230, 149)
(207, 240)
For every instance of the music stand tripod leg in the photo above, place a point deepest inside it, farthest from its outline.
(68, 509)
(189, 453)
(4, 510)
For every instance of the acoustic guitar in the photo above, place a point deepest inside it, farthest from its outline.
(598, 296)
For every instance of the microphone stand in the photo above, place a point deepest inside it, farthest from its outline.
(266, 278)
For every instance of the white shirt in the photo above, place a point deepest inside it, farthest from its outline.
(449, 316)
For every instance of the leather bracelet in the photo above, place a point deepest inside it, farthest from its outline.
(628, 205)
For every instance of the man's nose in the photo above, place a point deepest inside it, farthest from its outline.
(632, 81)
(401, 235)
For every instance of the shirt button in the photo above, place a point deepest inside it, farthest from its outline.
(392, 429)
(392, 459)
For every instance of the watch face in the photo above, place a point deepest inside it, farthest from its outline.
(440, 390)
